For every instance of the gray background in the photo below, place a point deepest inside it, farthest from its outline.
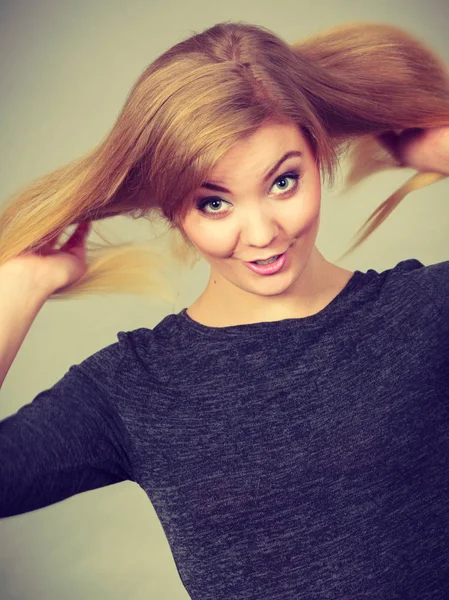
(66, 68)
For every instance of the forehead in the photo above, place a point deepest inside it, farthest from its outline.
(260, 150)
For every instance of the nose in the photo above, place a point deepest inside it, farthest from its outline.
(259, 228)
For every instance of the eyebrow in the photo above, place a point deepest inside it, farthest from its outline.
(271, 172)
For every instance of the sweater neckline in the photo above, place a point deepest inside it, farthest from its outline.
(288, 323)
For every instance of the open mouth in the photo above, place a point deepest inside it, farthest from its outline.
(266, 262)
(270, 266)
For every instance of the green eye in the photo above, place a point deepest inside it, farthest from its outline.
(201, 205)
(211, 206)
(294, 176)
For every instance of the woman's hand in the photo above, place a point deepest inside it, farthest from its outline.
(421, 149)
(49, 269)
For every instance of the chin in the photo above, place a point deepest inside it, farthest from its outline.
(268, 288)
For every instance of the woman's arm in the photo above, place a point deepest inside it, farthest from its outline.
(70, 439)
(20, 303)
(27, 281)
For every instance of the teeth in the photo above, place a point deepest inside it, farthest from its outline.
(268, 261)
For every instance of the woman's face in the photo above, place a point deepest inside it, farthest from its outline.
(261, 199)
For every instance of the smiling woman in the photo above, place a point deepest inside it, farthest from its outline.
(271, 191)
(290, 427)
(202, 97)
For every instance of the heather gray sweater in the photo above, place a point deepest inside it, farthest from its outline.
(303, 459)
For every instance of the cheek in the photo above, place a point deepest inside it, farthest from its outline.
(218, 241)
(214, 238)
(303, 214)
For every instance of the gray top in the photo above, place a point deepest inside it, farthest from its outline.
(300, 459)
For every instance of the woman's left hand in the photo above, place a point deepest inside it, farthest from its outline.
(421, 149)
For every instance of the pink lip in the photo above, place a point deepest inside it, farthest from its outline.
(267, 257)
(270, 269)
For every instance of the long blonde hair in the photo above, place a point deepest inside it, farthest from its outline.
(342, 87)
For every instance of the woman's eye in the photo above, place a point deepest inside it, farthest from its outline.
(287, 183)
(213, 203)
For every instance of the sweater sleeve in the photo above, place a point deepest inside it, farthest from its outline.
(68, 440)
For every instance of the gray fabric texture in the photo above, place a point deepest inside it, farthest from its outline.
(302, 459)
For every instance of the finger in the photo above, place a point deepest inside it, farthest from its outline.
(77, 237)
(52, 240)
(45, 248)
(391, 142)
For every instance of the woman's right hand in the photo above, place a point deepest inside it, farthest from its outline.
(48, 269)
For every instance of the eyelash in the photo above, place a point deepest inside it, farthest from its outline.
(295, 175)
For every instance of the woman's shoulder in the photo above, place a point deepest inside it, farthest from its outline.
(430, 281)
(410, 292)
(142, 358)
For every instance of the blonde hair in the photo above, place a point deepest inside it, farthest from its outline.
(342, 87)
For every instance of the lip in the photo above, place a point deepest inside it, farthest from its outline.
(270, 269)
(267, 257)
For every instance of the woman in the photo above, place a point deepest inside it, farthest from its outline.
(290, 427)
